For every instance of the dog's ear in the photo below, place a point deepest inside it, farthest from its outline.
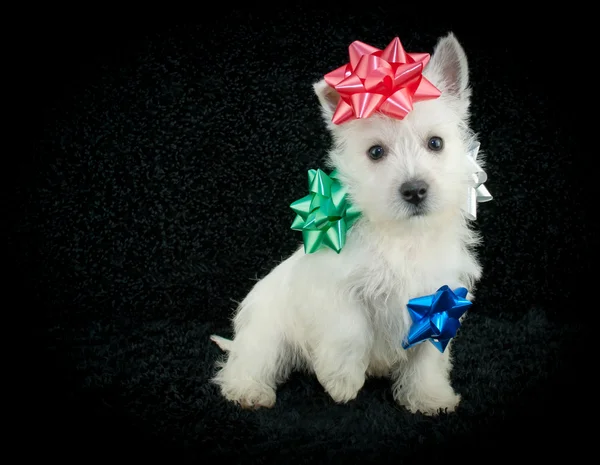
(328, 98)
(448, 69)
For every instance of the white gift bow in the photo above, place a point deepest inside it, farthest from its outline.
(477, 192)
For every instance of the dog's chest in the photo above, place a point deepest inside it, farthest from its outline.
(414, 269)
(400, 278)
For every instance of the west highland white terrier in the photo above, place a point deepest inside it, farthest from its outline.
(343, 314)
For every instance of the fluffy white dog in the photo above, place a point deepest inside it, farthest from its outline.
(344, 316)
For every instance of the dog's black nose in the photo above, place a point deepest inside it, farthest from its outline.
(414, 191)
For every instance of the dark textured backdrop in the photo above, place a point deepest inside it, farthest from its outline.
(154, 188)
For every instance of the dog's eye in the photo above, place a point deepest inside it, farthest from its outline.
(376, 152)
(435, 144)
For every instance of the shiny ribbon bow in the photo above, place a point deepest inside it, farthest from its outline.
(477, 192)
(436, 317)
(388, 81)
(324, 215)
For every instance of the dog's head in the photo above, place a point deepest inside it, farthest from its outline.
(411, 168)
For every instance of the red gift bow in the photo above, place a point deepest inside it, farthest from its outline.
(388, 80)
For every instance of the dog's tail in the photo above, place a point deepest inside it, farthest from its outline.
(224, 344)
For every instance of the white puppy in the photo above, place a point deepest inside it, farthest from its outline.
(344, 316)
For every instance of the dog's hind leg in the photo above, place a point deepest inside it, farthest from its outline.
(257, 360)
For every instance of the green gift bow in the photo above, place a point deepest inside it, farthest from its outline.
(325, 215)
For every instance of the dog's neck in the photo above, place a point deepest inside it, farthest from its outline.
(410, 257)
(418, 239)
(420, 229)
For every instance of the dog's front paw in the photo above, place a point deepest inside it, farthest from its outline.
(435, 407)
(428, 404)
(251, 395)
(343, 389)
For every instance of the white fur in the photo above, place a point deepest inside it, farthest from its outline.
(343, 316)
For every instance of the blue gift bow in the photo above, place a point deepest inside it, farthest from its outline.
(436, 317)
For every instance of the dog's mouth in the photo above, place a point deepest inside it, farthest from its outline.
(417, 210)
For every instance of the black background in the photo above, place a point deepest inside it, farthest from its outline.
(154, 187)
